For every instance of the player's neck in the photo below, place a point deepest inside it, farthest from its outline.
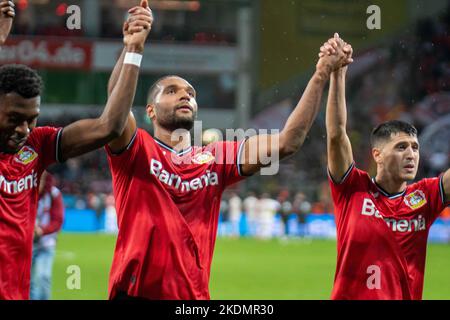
(182, 141)
(389, 184)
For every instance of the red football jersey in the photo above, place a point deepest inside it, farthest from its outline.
(381, 237)
(19, 180)
(167, 209)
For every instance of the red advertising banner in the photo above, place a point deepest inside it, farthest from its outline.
(47, 53)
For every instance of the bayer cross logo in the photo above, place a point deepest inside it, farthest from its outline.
(202, 158)
(26, 155)
(416, 199)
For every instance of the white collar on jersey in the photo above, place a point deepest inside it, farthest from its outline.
(165, 146)
(387, 194)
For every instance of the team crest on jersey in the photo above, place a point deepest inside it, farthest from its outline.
(26, 155)
(416, 199)
(202, 158)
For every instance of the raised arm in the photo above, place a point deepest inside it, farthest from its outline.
(291, 138)
(117, 68)
(86, 135)
(119, 143)
(339, 149)
(7, 15)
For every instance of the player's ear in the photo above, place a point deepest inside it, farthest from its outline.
(151, 111)
(376, 154)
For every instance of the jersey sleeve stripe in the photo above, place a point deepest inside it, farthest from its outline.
(441, 189)
(344, 177)
(129, 145)
(238, 159)
(58, 155)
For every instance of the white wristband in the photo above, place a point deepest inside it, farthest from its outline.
(133, 58)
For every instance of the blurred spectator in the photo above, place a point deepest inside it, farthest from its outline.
(301, 207)
(224, 207)
(235, 212)
(110, 215)
(267, 209)
(446, 213)
(250, 209)
(285, 210)
(325, 204)
(49, 221)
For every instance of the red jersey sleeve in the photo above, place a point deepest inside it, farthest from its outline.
(353, 180)
(434, 189)
(46, 140)
(228, 157)
(124, 159)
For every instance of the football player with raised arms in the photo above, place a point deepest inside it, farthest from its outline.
(168, 192)
(27, 150)
(382, 221)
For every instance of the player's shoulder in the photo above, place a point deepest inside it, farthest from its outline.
(425, 183)
(40, 134)
(216, 144)
(44, 130)
(353, 173)
(224, 147)
(143, 135)
(224, 152)
(142, 132)
(362, 173)
(426, 190)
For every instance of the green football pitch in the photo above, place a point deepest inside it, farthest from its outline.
(242, 268)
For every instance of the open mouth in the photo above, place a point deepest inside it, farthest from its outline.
(185, 108)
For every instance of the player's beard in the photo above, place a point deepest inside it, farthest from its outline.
(173, 121)
(5, 146)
